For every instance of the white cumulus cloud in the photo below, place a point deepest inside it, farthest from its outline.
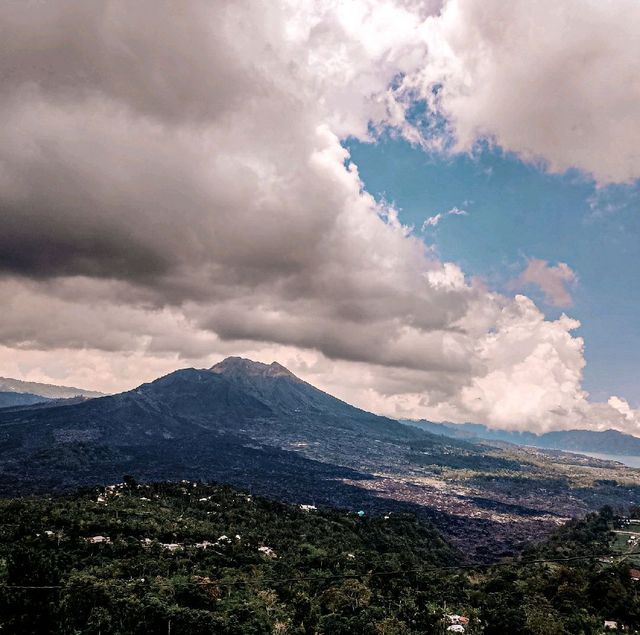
(554, 83)
(432, 221)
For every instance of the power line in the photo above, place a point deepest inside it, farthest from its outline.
(343, 576)
(30, 587)
(400, 572)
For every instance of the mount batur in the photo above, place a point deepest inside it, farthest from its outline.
(262, 428)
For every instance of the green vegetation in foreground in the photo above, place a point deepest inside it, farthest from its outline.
(626, 537)
(192, 558)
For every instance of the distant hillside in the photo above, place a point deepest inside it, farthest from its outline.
(48, 391)
(605, 442)
(12, 399)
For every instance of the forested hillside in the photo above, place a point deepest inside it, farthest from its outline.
(194, 558)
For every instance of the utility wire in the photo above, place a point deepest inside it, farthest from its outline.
(342, 576)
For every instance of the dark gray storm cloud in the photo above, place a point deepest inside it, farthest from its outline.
(181, 150)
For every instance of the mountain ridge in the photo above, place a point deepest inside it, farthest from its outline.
(9, 399)
(597, 441)
(49, 391)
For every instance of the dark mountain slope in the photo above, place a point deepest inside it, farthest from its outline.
(242, 401)
(275, 385)
(201, 423)
(294, 400)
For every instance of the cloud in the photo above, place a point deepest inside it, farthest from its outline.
(553, 281)
(613, 199)
(173, 189)
(554, 84)
(221, 194)
(433, 221)
(533, 366)
(623, 407)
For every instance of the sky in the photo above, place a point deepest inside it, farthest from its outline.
(515, 213)
(429, 209)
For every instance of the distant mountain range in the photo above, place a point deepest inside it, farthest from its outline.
(12, 399)
(14, 392)
(605, 442)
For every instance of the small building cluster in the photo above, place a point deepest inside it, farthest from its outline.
(99, 540)
(268, 551)
(457, 623)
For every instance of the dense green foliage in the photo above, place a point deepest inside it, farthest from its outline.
(193, 558)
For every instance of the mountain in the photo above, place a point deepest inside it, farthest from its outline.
(240, 422)
(236, 399)
(273, 384)
(14, 392)
(10, 399)
(603, 442)
(193, 413)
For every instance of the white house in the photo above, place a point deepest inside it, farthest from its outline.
(98, 540)
(267, 551)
